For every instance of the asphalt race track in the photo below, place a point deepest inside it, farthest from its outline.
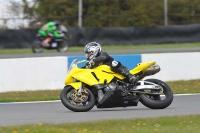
(55, 112)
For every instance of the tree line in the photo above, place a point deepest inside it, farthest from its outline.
(114, 13)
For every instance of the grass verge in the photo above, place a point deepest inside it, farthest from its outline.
(108, 47)
(175, 124)
(178, 87)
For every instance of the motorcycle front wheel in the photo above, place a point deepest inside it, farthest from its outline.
(63, 46)
(77, 103)
(157, 101)
(37, 47)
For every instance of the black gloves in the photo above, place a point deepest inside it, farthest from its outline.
(90, 63)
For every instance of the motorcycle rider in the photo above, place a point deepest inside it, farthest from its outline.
(95, 56)
(50, 30)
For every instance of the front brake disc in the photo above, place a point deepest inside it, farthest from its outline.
(78, 98)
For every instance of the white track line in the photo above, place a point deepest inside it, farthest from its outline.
(186, 94)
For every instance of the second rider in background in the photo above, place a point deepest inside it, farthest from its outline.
(51, 30)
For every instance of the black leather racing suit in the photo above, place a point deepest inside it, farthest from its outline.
(116, 66)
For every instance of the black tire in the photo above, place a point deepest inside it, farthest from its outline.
(63, 46)
(37, 47)
(71, 104)
(155, 102)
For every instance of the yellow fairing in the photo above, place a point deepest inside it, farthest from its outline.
(91, 76)
(106, 70)
(141, 67)
(76, 85)
(98, 75)
(69, 79)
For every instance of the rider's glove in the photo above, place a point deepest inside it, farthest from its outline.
(90, 63)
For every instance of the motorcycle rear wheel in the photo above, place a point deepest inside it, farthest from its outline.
(37, 47)
(155, 101)
(70, 100)
(63, 47)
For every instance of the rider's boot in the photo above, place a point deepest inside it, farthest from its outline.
(132, 78)
(102, 97)
(125, 72)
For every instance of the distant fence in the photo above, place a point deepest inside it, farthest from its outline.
(17, 38)
(106, 36)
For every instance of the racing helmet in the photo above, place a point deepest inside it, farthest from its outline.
(56, 22)
(92, 50)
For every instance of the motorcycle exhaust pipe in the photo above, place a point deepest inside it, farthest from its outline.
(151, 71)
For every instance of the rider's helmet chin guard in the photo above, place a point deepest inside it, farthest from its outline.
(92, 50)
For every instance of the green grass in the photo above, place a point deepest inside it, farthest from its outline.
(107, 47)
(185, 86)
(178, 87)
(175, 124)
(40, 95)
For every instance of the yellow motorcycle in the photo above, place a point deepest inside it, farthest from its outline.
(82, 83)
